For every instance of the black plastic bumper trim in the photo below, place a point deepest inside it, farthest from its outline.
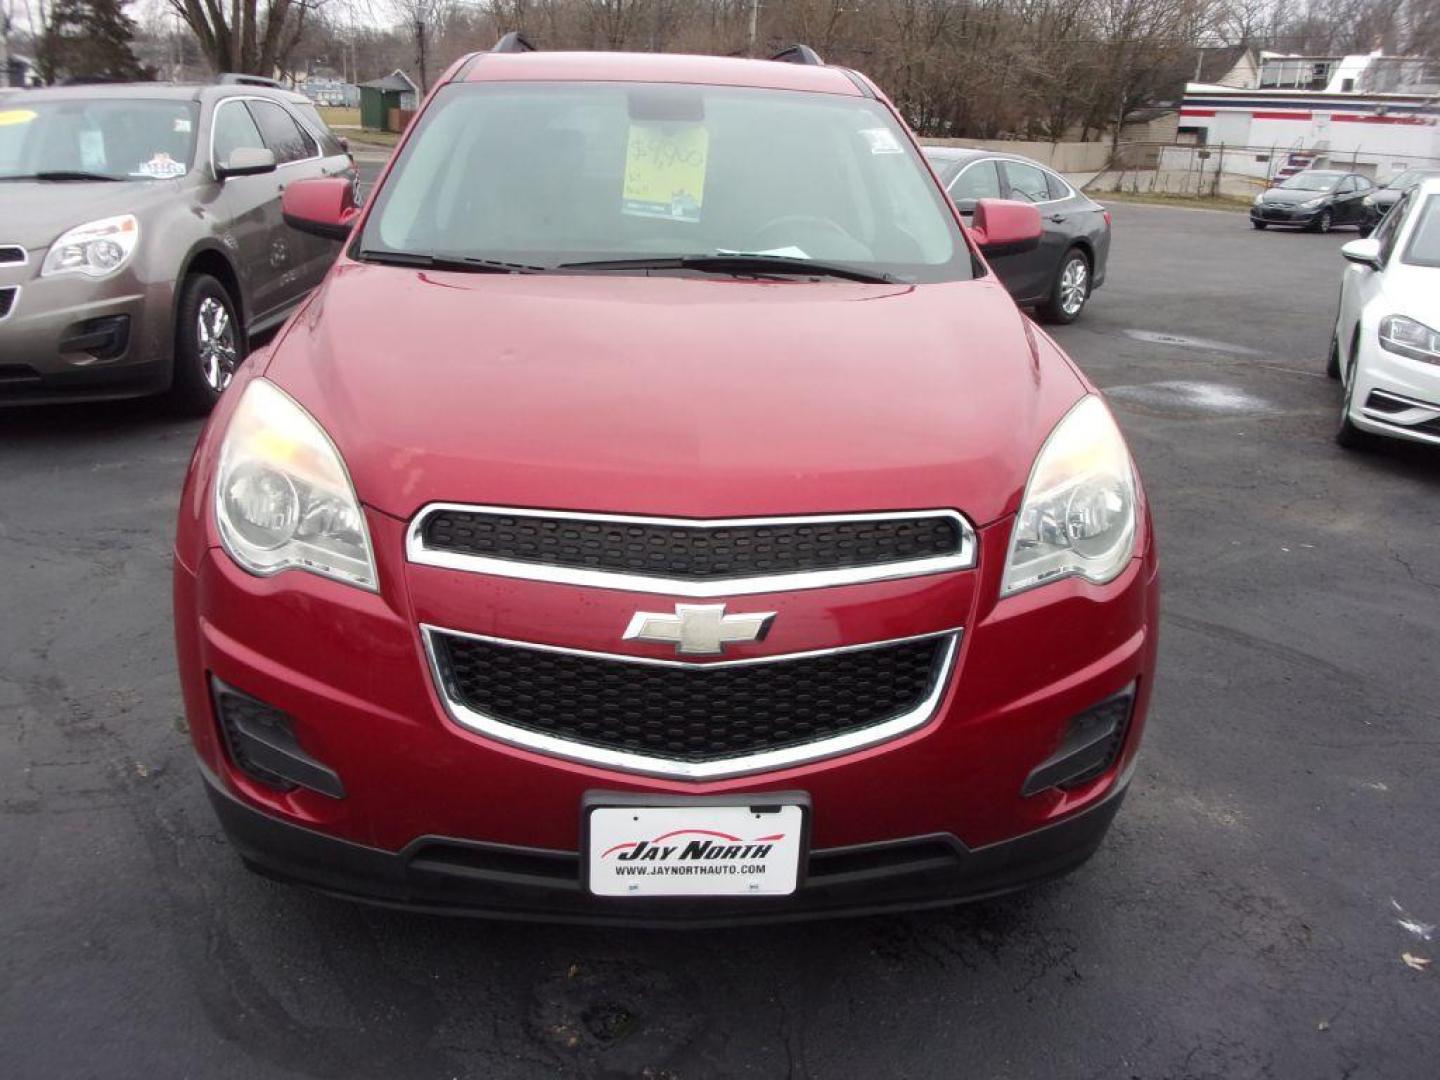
(505, 882)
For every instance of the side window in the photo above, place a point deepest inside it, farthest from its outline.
(1058, 188)
(1346, 187)
(977, 181)
(282, 134)
(1026, 182)
(329, 141)
(1363, 184)
(234, 130)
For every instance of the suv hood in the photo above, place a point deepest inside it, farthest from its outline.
(675, 396)
(37, 212)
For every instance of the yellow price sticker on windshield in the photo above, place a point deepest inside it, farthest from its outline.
(16, 116)
(665, 170)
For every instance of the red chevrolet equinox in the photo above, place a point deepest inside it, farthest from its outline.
(661, 514)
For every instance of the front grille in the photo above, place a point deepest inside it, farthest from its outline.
(687, 713)
(11, 255)
(7, 300)
(693, 552)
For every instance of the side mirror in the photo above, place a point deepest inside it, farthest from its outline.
(1363, 252)
(246, 161)
(1005, 227)
(322, 206)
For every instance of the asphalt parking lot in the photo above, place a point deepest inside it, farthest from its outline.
(1246, 917)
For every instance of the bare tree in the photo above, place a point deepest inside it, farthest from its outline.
(248, 38)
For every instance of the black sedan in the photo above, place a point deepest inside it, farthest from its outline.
(1057, 277)
(1383, 198)
(1318, 200)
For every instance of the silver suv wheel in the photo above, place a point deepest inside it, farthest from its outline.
(216, 335)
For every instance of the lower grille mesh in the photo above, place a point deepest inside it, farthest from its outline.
(692, 713)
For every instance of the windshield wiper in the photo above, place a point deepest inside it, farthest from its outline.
(738, 263)
(63, 174)
(442, 261)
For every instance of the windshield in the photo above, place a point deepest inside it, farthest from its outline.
(541, 175)
(1424, 246)
(1311, 181)
(1408, 179)
(103, 139)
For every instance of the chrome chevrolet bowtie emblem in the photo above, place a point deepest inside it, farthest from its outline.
(698, 629)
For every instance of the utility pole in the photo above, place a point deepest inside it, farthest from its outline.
(754, 24)
(420, 40)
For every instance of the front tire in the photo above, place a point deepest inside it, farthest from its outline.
(1324, 223)
(209, 345)
(1332, 364)
(1258, 224)
(1070, 290)
(1347, 434)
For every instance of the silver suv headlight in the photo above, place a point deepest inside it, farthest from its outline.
(1410, 338)
(95, 249)
(283, 499)
(1078, 514)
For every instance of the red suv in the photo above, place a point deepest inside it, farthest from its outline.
(662, 514)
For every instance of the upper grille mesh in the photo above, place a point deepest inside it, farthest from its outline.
(7, 300)
(691, 713)
(689, 552)
(10, 254)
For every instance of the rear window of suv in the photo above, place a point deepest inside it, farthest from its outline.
(550, 173)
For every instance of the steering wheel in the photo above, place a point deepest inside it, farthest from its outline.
(790, 230)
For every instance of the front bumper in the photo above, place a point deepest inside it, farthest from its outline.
(1276, 215)
(71, 337)
(350, 667)
(446, 876)
(1395, 395)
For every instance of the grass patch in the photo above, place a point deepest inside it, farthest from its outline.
(338, 116)
(361, 139)
(1160, 198)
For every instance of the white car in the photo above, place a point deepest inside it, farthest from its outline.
(1386, 348)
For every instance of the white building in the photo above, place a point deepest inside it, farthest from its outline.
(1376, 114)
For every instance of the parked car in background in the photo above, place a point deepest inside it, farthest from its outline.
(1317, 200)
(141, 237)
(694, 532)
(1386, 345)
(1383, 198)
(1058, 276)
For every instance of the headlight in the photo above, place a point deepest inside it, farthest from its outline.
(1410, 338)
(1311, 204)
(94, 249)
(282, 496)
(1259, 199)
(1078, 514)
(1369, 200)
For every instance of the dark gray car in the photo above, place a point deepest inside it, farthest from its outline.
(141, 238)
(1383, 198)
(1059, 275)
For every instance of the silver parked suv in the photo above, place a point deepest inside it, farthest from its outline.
(141, 238)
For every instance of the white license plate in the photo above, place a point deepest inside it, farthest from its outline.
(695, 850)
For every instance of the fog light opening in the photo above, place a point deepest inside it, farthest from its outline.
(1091, 746)
(261, 743)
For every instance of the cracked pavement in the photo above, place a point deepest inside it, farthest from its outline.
(1240, 921)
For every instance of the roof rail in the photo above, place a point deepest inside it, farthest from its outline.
(514, 42)
(799, 54)
(235, 78)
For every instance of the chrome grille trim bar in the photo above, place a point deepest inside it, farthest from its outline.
(647, 765)
(416, 551)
